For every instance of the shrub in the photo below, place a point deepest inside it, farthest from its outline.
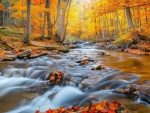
(124, 40)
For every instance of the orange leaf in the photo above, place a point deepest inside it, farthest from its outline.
(52, 77)
(86, 108)
(58, 80)
(103, 103)
(93, 109)
(99, 107)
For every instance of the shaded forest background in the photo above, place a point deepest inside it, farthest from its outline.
(120, 20)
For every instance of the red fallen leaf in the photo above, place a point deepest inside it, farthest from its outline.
(92, 109)
(51, 111)
(61, 110)
(60, 74)
(75, 108)
(84, 112)
(117, 103)
(114, 105)
(111, 111)
(37, 111)
(104, 111)
(48, 111)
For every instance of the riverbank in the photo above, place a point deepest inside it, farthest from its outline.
(88, 78)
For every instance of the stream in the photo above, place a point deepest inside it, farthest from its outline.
(23, 88)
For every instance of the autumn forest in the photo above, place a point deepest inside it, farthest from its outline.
(86, 19)
(75, 56)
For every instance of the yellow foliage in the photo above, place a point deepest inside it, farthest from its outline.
(88, 18)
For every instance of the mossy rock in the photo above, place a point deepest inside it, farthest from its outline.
(64, 49)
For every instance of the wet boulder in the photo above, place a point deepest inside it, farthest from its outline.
(38, 54)
(24, 54)
(85, 61)
(64, 49)
(82, 62)
(89, 59)
(7, 56)
(134, 46)
(55, 52)
(136, 91)
(98, 67)
(10, 58)
(102, 53)
(55, 77)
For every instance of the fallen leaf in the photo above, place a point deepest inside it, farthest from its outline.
(86, 108)
(99, 107)
(114, 105)
(52, 77)
(37, 111)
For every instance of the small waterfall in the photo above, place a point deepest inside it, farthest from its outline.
(65, 95)
(13, 83)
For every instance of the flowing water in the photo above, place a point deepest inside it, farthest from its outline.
(23, 88)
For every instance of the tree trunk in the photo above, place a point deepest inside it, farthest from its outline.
(28, 27)
(1, 18)
(43, 32)
(1, 15)
(62, 20)
(130, 22)
(131, 26)
(23, 23)
(49, 23)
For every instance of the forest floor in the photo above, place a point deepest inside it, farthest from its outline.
(42, 47)
(140, 49)
(13, 41)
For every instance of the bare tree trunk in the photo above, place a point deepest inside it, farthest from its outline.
(62, 20)
(43, 33)
(49, 23)
(28, 27)
(23, 18)
(130, 22)
(1, 15)
(131, 26)
(1, 18)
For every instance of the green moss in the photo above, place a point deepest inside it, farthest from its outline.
(10, 33)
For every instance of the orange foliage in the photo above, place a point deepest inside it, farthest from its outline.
(88, 18)
(102, 107)
(1, 7)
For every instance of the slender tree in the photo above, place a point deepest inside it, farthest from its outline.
(49, 23)
(1, 13)
(28, 26)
